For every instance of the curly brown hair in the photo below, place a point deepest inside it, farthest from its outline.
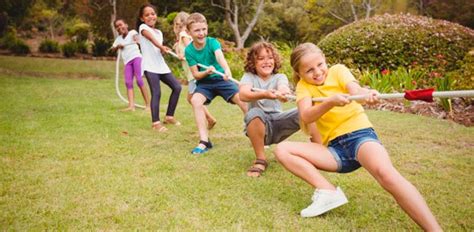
(252, 56)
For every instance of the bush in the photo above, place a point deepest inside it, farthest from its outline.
(20, 47)
(82, 47)
(49, 46)
(390, 41)
(100, 47)
(69, 49)
(9, 39)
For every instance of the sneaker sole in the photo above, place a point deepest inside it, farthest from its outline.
(326, 208)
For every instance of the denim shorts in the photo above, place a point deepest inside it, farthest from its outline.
(278, 126)
(217, 87)
(344, 148)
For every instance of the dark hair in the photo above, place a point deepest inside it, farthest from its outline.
(252, 56)
(119, 19)
(140, 13)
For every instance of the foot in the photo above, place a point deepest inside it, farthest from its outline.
(130, 108)
(211, 122)
(159, 127)
(202, 147)
(258, 167)
(173, 121)
(323, 201)
(147, 109)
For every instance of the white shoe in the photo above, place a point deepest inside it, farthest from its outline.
(323, 201)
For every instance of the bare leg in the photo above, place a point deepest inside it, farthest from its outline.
(243, 106)
(373, 157)
(131, 101)
(304, 160)
(197, 101)
(256, 134)
(211, 121)
(146, 98)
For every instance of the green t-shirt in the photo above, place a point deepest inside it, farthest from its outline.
(205, 56)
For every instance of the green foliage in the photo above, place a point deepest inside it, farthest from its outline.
(49, 46)
(464, 76)
(11, 42)
(8, 39)
(82, 47)
(100, 46)
(69, 49)
(20, 47)
(77, 29)
(389, 41)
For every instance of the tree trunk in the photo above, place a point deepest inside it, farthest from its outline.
(113, 16)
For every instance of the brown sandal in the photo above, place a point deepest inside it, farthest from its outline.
(172, 121)
(255, 169)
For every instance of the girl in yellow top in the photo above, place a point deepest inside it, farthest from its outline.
(346, 139)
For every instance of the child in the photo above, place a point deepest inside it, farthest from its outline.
(183, 40)
(207, 51)
(155, 67)
(265, 122)
(347, 136)
(132, 59)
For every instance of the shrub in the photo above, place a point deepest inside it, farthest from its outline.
(100, 47)
(390, 41)
(20, 47)
(69, 49)
(77, 29)
(9, 39)
(49, 46)
(82, 47)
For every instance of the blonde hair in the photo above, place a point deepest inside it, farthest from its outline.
(300, 51)
(195, 18)
(179, 22)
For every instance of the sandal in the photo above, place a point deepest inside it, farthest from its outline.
(172, 121)
(159, 127)
(256, 170)
(198, 150)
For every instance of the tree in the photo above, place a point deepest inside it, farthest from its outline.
(235, 15)
(348, 11)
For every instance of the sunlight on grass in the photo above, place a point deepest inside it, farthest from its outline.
(70, 160)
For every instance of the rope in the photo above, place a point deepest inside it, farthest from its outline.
(117, 66)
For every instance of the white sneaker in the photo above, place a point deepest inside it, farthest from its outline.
(323, 201)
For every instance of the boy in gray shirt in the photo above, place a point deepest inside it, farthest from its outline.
(266, 123)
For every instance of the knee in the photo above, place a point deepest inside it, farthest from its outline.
(196, 102)
(177, 88)
(388, 177)
(281, 152)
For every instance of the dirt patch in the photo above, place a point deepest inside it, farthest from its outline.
(462, 109)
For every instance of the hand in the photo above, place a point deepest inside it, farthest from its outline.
(339, 100)
(227, 76)
(181, 57)
(210, 70)
(281, 96)
(165, 50)
(372, 97)
(120, 46)
(270, 94)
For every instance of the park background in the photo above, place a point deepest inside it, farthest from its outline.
(70, 160)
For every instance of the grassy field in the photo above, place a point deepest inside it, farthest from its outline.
(70, 160)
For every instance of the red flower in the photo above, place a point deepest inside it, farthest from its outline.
(440, 56)
(385, 72)
(413, 82)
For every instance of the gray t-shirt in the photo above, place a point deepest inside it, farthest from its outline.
(267, 105)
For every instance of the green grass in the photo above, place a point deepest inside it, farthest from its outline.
(69, 160)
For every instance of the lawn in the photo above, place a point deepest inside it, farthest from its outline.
(70, 160)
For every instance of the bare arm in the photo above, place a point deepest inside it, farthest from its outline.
(355, 89)
(247, 95)
(310, 113)
(314, 133)
(149, 36)
(200, 75)
(223, 63)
